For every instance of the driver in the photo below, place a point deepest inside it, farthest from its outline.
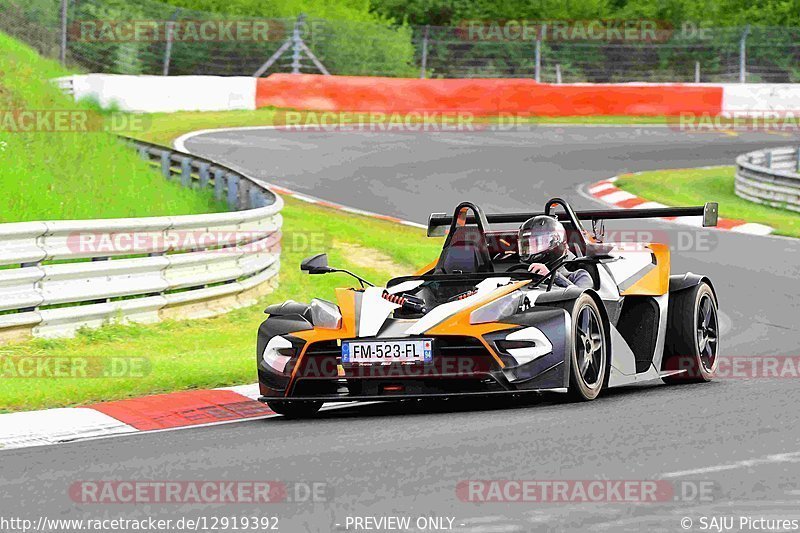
(542, 244)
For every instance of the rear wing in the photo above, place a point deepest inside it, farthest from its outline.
(439, 222)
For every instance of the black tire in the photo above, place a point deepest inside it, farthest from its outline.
(692, 341)
(589, 353)
(302, 409)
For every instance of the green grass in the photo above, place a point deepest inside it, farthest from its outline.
(220, 351)
(163, 128)
(696, 186)
(72, 175)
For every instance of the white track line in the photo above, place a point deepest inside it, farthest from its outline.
(791, 457)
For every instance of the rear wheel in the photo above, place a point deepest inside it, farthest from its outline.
(589, 363)
(301, 409)
(692, 341)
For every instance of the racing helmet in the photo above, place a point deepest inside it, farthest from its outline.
(542, 239)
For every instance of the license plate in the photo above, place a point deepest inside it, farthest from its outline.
(389, 351)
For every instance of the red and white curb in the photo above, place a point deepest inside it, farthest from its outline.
(160, 412)
(332, 205)
(607, 192)
(148, 413)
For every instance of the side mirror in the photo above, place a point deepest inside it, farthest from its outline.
(316, 264)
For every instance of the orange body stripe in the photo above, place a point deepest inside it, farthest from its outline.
(655, 282)
(460, 325)
(427, 268)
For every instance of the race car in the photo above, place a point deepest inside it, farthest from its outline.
(477, 321)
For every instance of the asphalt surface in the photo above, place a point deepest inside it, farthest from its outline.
(737, 441)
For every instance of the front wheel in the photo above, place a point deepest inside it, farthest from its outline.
(692, 341)
(589, 355)
(301, 409)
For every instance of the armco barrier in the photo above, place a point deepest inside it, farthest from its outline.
(770, 177)
(482, 96)
(169, 267)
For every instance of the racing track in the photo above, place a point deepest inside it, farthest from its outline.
(742, 435)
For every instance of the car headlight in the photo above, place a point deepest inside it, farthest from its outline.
(325, 315)
(278, 353)
(497, 310)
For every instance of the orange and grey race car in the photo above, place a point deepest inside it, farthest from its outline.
(478, 321)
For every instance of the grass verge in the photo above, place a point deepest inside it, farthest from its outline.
(219, 351)
(76, 168)
(696, 186)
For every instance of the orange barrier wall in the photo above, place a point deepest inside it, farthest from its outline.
(481, 96)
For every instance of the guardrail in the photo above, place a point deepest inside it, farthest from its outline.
(770, 176)
(59, 276)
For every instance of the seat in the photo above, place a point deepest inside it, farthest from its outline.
(465, 253)
(588, 266)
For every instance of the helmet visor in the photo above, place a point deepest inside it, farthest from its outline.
(538, 239)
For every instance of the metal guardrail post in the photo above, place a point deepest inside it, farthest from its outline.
(166, 164)
(537, 72)
(62, 56)
(186, 172)
(253, 201)
(205, 175)
(168, 47)
(219, 183)
(743, 55)
(233, 191)
(768, 160)
(424, 62)
(296, 45)
(243, 199)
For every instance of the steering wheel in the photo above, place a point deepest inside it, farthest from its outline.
(542, 277)
(519, 266)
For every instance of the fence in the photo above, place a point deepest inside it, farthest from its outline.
(683, 54)
(770, 177)
(58, 276)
